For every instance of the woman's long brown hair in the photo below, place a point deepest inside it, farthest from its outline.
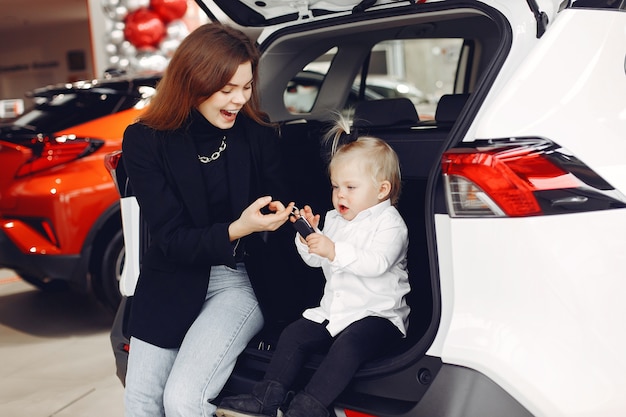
(204, 62)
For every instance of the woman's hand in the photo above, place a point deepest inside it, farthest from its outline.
(252, 220)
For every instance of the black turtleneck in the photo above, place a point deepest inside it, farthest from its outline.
(208, 139)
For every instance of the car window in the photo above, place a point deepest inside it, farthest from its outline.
(420, 69)
(303, 89)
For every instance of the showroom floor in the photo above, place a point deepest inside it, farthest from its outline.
(55, 357)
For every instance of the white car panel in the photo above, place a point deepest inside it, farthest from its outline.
(534, 304)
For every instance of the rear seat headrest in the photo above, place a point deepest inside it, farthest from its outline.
(450, 106)
(385, 112)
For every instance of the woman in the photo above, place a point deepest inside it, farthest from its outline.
(203, 164)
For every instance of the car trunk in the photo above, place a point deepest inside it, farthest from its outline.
(397, 380)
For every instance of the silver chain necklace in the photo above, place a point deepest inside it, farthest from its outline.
(215, 155)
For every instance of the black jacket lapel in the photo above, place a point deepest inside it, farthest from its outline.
(182, 156)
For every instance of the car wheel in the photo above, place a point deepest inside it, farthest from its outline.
(107, 274)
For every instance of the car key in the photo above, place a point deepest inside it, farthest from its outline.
(301, 224)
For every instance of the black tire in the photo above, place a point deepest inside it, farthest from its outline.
(107, 274)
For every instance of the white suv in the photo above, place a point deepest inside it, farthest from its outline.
(514, 174)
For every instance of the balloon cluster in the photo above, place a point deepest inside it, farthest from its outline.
(143, 34)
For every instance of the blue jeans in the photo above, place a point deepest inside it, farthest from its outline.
(184, 381)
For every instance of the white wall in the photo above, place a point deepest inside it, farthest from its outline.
(98, 27)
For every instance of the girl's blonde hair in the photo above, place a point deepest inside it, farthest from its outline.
(378, 158)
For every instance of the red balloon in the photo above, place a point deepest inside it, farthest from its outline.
(169, 10)
(144, 28)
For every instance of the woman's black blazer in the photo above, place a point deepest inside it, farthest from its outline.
(166, 177)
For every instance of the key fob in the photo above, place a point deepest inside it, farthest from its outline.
(303, 227)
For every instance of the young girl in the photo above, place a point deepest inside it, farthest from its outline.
(362, 251)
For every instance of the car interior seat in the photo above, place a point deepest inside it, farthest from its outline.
(385, 113)
(449, 107)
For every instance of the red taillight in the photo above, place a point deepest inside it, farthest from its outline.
(49, 153)
(504, 178)
(111, 161)
(352, 413)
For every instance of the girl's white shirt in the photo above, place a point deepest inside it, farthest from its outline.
(368, 276)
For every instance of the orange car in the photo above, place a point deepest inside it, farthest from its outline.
(59, 210)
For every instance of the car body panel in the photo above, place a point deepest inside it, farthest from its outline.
(270, 15)
(114, 126)
(297, 11)
(599, 79)
(13, 156)
(534, 303)
(540, 317)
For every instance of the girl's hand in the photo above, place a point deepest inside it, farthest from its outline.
(317, 242)
(321, 245)
(313, 219)
(252, 220)
(307, 214)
